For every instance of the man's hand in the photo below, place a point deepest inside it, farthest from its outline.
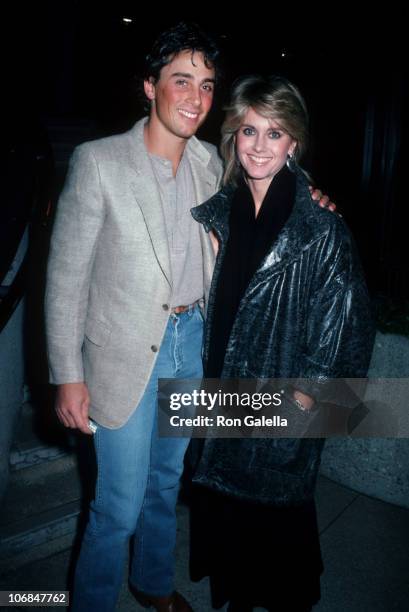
(214, 241)
(71, 406)
(321, 199)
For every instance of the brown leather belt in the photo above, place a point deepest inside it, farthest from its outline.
(180, 309)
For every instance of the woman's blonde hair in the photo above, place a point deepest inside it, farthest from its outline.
(272, 97)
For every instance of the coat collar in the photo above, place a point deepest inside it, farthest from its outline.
(199, 158)
(304, 226)
(146, 190)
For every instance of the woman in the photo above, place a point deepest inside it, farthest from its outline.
(288, 300)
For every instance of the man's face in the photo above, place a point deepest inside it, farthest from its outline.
(182, 96)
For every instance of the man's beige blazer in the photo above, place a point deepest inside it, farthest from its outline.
(109, 281)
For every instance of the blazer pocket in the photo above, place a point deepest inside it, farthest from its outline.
(97, 332)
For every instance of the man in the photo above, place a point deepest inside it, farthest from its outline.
(128, 267)
(128, 272)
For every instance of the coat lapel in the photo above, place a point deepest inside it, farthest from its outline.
(299, 233)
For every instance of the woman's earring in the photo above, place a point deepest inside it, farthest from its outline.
(290, 162)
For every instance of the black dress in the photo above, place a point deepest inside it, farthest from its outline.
(254, 554)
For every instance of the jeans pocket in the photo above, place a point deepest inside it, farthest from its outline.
(198, 313)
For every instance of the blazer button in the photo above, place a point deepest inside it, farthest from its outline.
(165, 306)
(154, 348)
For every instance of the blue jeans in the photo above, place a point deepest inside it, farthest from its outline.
(137, 486)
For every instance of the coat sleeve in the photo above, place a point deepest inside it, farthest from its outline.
(340, 329)
(78, 222)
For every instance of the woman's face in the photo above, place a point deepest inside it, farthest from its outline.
(262, 146)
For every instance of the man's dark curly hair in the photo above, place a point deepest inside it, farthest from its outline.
(179, 38)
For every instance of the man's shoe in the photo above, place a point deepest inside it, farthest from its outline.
(170, 603)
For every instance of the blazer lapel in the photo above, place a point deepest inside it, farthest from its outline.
(204, 180)
(148, 198)
(205, 185)
(147, 195)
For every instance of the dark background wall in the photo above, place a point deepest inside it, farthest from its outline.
(78, 59)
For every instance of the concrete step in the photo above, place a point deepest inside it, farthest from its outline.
(47, 534)
(33, 446)
(40, 511)
(39, 488)
(39, 516)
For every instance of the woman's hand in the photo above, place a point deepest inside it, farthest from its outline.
(305, 401)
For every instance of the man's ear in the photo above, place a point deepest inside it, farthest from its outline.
(149, 88)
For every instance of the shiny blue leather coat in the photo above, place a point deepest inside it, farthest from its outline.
(305, 314)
